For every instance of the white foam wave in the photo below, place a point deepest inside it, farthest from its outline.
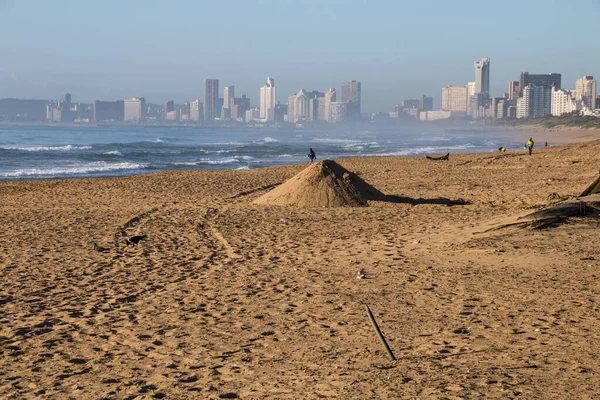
(67, 147)
(267, 140)
(216, 162)
(114, 153)
(244, 167)
(99, 166)
(427, 150)
(157, 140)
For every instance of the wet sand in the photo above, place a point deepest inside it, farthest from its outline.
(228, 299)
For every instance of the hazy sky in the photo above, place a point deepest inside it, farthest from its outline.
(113, 49)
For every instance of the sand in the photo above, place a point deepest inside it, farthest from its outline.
(229, 299)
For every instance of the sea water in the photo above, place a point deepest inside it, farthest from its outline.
(37, 152)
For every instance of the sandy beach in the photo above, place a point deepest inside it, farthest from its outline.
(225, 298)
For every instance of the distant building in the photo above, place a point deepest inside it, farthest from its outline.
(291, 107)
(563, 102)
(280, 112)
(513, 90)
(472, 100)
(197, 111)
(316, 105)
(455, 98)
(535, 102)
(482, 78)
(108, 110)
(585, 91)
(339, 112)
(425, 103)
(301, 110)
(65, 101)
(541, 80)
(434, 115)
(268, 98)
(228, 96)
(168, 107)
(239, 106)
(253, 114)
(211, 100)
(412, 103)
(351, 93)
(134, 109)
(598, 101)
(329, 98)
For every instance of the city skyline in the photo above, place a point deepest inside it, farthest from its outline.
(109, 50)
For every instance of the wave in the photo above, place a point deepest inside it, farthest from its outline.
(216, 162)
(427, 150)
(157, 140)
(267, 140)
(114, 153)
(67, 147)
(244, 167)
(99, 166)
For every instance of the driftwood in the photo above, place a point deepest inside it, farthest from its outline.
(593, 188)
(585, 206)
(441, 158)
(376, 327)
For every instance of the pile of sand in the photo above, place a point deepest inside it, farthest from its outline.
(322, 184)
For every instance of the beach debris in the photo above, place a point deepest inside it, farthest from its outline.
(381, 337)
(445, 157)
(361, 274)
(322, 184)
(134, 240)
(585, 206)
(594, 188)
(99, 249)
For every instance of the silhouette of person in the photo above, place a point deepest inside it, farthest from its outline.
(312, 155)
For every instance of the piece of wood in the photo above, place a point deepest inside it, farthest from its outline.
(376, 327)
(441, 158)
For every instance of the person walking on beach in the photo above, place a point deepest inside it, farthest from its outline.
(530, 145)
(312, 155)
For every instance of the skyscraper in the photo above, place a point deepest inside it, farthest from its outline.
(196, 111)
(268, 98)
(228, 96)
(329, 98)
(211, 99)
(535, 102)
(482, 77)
(167, 108)
(545, 80)
(425, 103)
(134, 109)
(351, 94)
(301, 111)
(585, 91)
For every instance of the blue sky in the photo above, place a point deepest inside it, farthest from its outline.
(113, 49)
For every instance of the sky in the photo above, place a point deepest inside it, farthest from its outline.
(163, 50)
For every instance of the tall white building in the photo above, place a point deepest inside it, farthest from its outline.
(134, 109)
(268, 99)
(585, 91)
(563, 102)
(228, 96)
(330, 96)
(301, 110)
(338, 111)
(455, 99)
(196, 110)
(482, 77)
(535, 102)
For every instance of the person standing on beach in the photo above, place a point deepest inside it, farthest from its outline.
(312, 155)
(530, 145)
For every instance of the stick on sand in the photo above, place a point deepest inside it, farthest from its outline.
(387, 348)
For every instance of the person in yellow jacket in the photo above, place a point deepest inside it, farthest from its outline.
(530, 145)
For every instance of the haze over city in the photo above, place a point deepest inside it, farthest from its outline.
(397, 49)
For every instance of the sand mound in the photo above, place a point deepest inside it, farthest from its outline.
(322, 184)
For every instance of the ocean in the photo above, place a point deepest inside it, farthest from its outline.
(39, 152)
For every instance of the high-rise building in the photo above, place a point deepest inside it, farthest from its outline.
(301, 110)
(338, 111)
(239, 106)
(228, 96)
(482, 78)
(535, 102)
(268, 98)
(108, 110)
(316, 103)
(563, 102)
(585, 91)
(65, 101)
(455, 99)
(351, 93)
(513, 90)
(412, 103)
(598, 101)
(291, 103)
(134, 110)
(472, 100)
(196, 111)
(168, 107)
(280, 112)
(425, 103)
(329, 98)
(211, 100)
(545, 80)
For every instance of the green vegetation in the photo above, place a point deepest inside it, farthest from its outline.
(563, 120)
